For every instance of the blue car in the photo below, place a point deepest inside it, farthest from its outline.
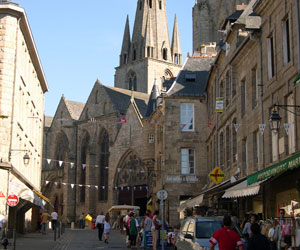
(196, 232)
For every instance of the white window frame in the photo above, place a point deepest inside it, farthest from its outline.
(151, 138)
(184, 117)
(286, 41)
(185, 161)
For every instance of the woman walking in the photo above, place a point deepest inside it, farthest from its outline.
(156, 225)
(106, 228)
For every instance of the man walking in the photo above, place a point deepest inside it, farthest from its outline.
(54, 216)
(226, 237)
(100, 225)
(45, 219)
(257, 241)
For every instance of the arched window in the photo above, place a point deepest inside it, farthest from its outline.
(134, 54)
(141, 5)
(160, 5)
(125, 59)
(84, 152)
(132, 79)
(176, 59)
(134, 84)
(150, 3)
(130, 84)
(165, 54)
(104, 163)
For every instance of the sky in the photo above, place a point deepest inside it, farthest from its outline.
(80, 41)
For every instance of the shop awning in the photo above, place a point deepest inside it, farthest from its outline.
(193, 202)
(242, 190)
(277, 169)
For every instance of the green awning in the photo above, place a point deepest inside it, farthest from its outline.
(297, 80)
(277, 169)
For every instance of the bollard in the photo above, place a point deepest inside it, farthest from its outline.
(63, 228)
(72, 226)
(14, 239)
(59, 231)
(55, 234)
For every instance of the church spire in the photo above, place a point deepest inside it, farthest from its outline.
(176, 48)
(126, 44)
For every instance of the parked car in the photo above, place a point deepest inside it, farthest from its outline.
(196, 232)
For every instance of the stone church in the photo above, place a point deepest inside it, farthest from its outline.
(114, 149)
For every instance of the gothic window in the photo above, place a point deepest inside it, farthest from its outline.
(160, 5)
(104, 163)
(134, 54)
(82, 180)
(132, 81)
(148, 51)
(61, 149)
(176, 59)
(150, 3)
(141, 5)
(130, 84)
(165, 53)
(134, 84)
(125, 58)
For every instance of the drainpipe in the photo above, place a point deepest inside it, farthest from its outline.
(217, 115)
(298, 26)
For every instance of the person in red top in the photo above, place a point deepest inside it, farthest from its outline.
(226, 237)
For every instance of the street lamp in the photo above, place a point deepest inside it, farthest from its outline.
(275, 119)
(26, 157)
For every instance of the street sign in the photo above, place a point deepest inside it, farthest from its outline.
(12, 200)
(2, 195)
(162, 195)
(217, 175)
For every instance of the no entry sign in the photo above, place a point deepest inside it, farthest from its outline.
(12, 200)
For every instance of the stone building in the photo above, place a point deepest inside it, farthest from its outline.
(22, 88)
(149, 53)
(208, 19)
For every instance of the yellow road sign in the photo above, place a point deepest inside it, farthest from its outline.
(217, 175)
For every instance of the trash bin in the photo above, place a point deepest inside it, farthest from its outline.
(88, 221)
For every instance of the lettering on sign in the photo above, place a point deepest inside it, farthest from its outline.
(217, 175)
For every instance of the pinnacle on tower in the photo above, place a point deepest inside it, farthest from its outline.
(149, 40)
(176, 48)
(126, 44)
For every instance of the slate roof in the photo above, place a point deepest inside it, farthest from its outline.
(121, 98)
(232, 18)
(197, 66)
(74, 108)
(152, 104)
(48, 121)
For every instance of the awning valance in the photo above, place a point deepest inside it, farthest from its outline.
(242, 190)
(193, 202)
(277, 169)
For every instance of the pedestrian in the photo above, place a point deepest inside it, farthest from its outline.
(39, 222)
(54, 217)
(258, 241)
(81, 221)
(147, 226)
(126, 225)
(2, 225)
(247, 228)
(226, 237)
(106, 228)
(156, 225)
(1, 222)
(100, 225)
(133, 227)
(45, 218)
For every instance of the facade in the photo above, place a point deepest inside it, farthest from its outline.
(22, 88)
(208, 19)
(148, 54)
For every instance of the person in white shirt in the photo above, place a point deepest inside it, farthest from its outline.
(100, 225)
(54, 217)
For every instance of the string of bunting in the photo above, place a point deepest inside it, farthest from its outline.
(97, 187)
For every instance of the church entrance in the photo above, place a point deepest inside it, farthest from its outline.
(131, 183)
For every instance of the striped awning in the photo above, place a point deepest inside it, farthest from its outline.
(242, 190)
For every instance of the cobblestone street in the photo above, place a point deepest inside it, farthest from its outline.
(71, 240)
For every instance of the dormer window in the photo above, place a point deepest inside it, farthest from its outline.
(190, 77)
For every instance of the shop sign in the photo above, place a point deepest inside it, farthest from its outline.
(2, 195)
(219, 104)
(181, 178)
(277, 169)
(217, 175)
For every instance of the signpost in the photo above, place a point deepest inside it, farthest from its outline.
(162, 195)
(217, 175)
(12, 200)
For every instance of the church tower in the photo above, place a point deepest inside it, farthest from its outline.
(149, 50)
(208, 16)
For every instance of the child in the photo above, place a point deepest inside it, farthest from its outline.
(106, 229)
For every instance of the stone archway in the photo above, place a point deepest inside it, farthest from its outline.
(131, 182)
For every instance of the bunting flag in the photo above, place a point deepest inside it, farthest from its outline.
(103, 187)
(96, 166)
(80, 185)
(47, 182)
(262, 128)
(88, 186)
(237, 127)
(83, 166)
(96, 187)
(72, 164)
(64, 184)
(116, 188)
(122, 188)
(287, 127)
(134, 188)
(122, 120)
(128, 188)
(72, 185)
(60, 163)
(153, 121)
(140, 188)
(106, 167)
(49, 161)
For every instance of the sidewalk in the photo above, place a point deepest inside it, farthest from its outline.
(34, 241)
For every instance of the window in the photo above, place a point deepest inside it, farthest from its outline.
(187, 116)
(228, 147)
(271, 62)
(234, 143)
(134, 84)
(141, 5)
(286, 42)
(221, 89)
(221, 149)
(256, 150)
(243, 98)
(165, 54)
(228, 83)
(151, 138)
(245, 156)
(176, 61)
(291, 120)
(187, 161)
(148, 51)
(150, 3)
(233, 81)
(160, 5)
(254, 87)
(104, 163)
(132, 81)
(190, 77)
(134, 54)
(125, 59)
